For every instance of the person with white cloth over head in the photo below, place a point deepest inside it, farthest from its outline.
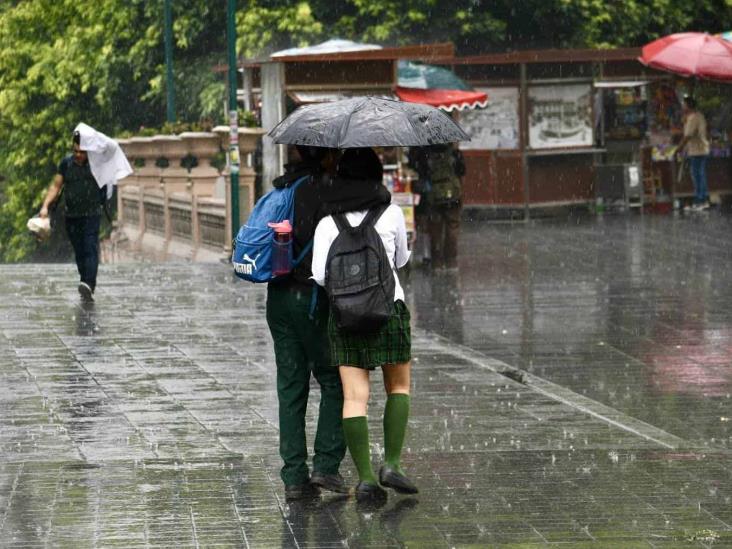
(87, 177)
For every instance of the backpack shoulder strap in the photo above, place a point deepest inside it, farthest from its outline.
(299, 182)
(374, 214)
(341, 222)
(305, 251)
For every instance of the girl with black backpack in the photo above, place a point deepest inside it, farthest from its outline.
(355, 256)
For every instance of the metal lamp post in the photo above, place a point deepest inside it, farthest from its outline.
(233, 116)
(169, 85)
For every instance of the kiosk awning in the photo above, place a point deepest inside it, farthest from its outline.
(620, 83)
(308, 97)
(447, 100)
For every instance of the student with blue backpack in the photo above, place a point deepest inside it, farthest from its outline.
(300, 340)
(355, 257)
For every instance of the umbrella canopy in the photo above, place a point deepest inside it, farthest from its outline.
(437, 87)
(691, 54)
(367, 122)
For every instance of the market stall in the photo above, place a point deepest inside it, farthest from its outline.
(558, 127)
(562, 127)
(705, 62)
(666, 131)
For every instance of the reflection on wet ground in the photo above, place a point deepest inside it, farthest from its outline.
(632, 312)
(149, 418)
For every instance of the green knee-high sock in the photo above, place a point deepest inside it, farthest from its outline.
(356, 433)
(396, 414)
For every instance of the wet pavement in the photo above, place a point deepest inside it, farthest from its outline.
(635, 313)
(572, 387)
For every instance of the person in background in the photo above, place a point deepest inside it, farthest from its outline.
(83, 208)
(440, 169)
(359, 179)
(696, 143)
(421, 252)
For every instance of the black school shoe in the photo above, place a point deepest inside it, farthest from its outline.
(85, 291)
(332, 483)
(370, 492)
(300, 491)
(398, 482)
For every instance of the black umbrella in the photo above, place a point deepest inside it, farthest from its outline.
(367, 122)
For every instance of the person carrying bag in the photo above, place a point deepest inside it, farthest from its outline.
(359, 274)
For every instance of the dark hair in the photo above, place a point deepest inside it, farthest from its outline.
(77, 138)
(307, 152)
(690, 101)
(360, 163)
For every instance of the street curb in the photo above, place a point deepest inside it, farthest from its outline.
(556, 392)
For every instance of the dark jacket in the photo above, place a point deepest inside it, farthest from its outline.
(82, 197)
(314, 199)
(307, 214)
(440, 168)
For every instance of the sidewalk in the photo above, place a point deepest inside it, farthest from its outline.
(149, 420)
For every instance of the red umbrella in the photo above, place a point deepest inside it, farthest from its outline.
(691, 54)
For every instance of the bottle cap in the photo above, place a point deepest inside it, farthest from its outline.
(281, 227)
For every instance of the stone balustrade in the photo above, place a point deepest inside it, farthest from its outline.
(177, 202)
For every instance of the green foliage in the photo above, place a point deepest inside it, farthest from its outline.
(475, 26)
(247, 119)
(66, 61)
(200, 93)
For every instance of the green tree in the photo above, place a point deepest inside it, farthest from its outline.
(476, 26)
(101, 62)
(66, 61)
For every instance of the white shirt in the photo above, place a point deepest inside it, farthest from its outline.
(391, 229)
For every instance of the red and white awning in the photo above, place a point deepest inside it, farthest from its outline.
(446, 100)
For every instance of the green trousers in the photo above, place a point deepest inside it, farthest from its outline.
(301, 349)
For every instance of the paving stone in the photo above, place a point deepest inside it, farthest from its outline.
(150, 418)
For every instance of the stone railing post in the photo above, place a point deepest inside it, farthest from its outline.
(123, 143)
(204, 146)
(195, 222)
(248, 138)
(146, 174)
(163, 191)
(173, 178)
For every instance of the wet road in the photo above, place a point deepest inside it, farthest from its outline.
(149, 419)
(634, 313)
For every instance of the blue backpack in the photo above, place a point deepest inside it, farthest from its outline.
(254, 244)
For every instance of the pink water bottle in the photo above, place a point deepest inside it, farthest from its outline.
(281, 248)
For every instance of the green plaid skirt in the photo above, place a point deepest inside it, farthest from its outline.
(391, 345)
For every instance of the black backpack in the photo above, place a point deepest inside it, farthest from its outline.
(358, 276)
(445, 169)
